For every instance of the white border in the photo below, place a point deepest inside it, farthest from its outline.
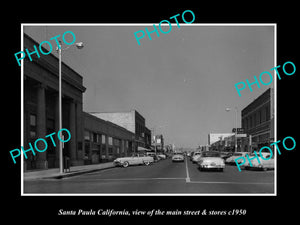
(147, 24)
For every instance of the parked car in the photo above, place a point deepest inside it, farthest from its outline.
(178, 157)
(161, 156)
(263, 165)
(153, 155)
(134, 160)
(191, 155)
(235, 155)
(226, 155)
(211, 160)
(196, 156)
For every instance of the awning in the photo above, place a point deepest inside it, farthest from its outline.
(143, 149)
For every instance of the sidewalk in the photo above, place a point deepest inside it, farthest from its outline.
(74, 170)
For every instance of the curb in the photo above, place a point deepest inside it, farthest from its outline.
(68, 174)
(72, 174)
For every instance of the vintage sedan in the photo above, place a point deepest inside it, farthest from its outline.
(139, 159)
(196, 157)
(211, 160)
(231, 159)
(178, 157)
(263, 165)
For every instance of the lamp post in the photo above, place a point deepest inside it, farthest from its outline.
(235, 125)
(79, 45)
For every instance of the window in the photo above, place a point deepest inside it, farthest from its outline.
(86, 135)
(268, 113)
(32, 125)
(110, 140)
(103, 139)
(94, 137)
(116, 142)
(32, 120)
(103, 150)
(32, 134)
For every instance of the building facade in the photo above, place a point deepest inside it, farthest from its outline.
(132, 121)
(258, 120)
(159, 142)
(105, 141)
(93, 140)
(41, 104)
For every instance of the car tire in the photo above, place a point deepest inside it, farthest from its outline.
(125, 164)
(147, 163)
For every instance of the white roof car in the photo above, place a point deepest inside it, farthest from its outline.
(177, 157)
(134, 160)
(211, 160)
(235, 155)
(196, 156)
(263, 165)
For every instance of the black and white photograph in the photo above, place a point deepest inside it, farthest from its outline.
(174, 113)
(149, 114)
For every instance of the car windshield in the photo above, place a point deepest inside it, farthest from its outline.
(237, 154)
(210, 154)
(178, 153)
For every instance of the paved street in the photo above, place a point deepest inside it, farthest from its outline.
(163, 177)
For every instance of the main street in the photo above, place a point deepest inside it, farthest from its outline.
(163, 177)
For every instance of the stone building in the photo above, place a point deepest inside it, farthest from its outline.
(41, 104)
(93, 140)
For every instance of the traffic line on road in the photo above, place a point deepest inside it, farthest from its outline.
(228, 182)
(137, 179)
(187, 179)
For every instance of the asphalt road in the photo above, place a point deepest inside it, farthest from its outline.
(163, 177)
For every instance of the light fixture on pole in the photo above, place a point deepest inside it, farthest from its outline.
(79, 45)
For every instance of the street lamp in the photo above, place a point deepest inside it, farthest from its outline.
(235, 125)
(79, 45)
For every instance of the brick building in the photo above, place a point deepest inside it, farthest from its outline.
(132, 121)
(105, 141)
(258, 120)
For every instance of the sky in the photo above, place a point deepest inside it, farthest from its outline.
(180, 82)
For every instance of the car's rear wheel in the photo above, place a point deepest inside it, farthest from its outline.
(125, 164)
(147, 163)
